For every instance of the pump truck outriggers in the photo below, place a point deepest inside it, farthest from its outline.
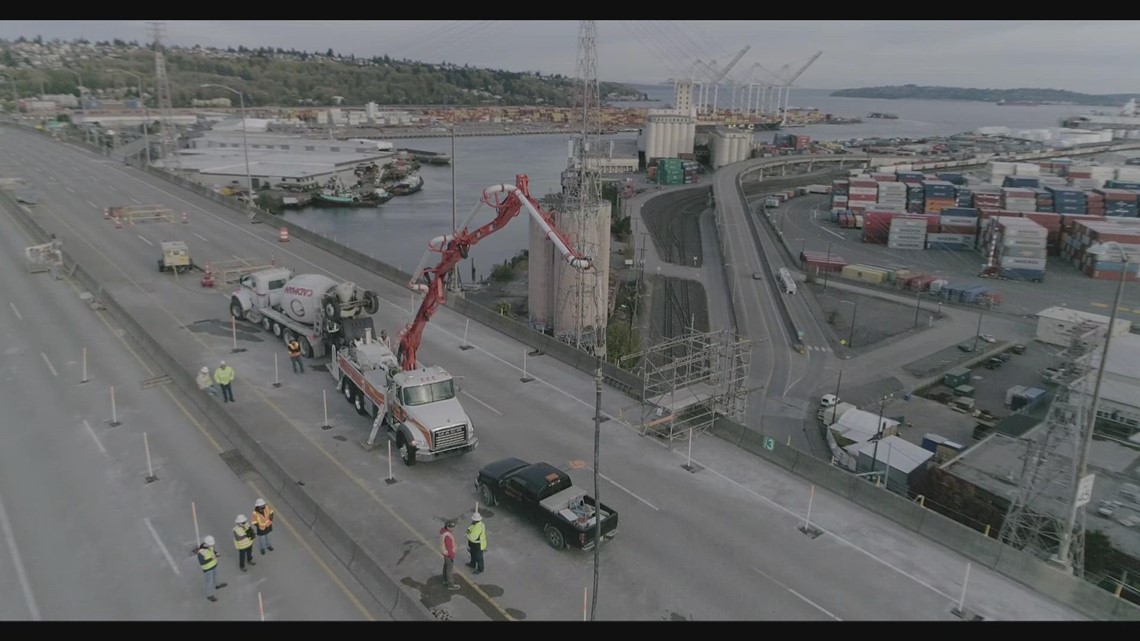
(415, 404)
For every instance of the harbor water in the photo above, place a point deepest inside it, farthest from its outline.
(398, 231)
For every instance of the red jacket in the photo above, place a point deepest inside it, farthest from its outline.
(447, 543)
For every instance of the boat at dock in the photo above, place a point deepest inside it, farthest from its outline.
(335, 194)
(409, 184)
(884, 116)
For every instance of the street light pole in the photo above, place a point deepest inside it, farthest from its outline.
(244, 141)
(978, 334)
(146, 116)
(854, 310)
(827, 268)
(79, 87)
(879, 430)
(1086, 438)
(917, 301)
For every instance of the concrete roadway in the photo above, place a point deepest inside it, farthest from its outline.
(728, 529)
(85, 536)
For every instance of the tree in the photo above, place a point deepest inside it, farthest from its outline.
(1099, 553)
(621, 341)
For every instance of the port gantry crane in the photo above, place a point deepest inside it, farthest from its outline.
(508, 201)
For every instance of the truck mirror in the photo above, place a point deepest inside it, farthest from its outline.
(459, 380)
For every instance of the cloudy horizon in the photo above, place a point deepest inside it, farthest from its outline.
(977, 54)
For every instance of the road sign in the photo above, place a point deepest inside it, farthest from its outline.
(769, 443)
(1084, 490)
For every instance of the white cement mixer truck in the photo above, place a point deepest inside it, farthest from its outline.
(317, 310)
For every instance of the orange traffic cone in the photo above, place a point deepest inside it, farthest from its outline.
(283, 235)
(184, 221)
(208, 277)
(118, 223)
(106, 214)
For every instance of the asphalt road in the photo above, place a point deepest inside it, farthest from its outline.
(719, 543)
(85, 535)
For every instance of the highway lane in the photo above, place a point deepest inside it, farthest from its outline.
(85, 536)
(548, 418)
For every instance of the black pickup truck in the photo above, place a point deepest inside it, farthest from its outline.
(546, 495)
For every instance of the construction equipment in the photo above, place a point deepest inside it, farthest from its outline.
(316, 310)
(390, 386)
(45, 257)
(175, 257)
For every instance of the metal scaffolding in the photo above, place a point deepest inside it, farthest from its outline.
(1049, 466)
(690, 380)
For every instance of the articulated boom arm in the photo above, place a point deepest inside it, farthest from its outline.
(508, 201)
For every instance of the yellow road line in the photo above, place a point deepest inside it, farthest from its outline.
(284, 417)
(1099, 304)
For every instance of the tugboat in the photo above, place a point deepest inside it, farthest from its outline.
(409, 184)
(876, 114)
(336, 194)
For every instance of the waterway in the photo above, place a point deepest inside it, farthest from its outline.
(398, 231)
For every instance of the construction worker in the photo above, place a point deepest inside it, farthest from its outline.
(208, 561)
(384, 339)
(205, 383)
(263, 523)
(447, 546)
(294, 347)
(243, 541)
(476, 542)
(224, 377)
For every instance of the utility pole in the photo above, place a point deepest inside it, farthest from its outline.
(827, 268)
(597, 494)
(917, 298)
(978, 333)
(879, 431)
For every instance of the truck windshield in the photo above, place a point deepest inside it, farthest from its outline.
(429, 393)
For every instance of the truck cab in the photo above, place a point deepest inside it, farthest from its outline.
(264, 287)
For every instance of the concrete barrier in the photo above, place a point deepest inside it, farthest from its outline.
(365, 570)
(342, 546)
(888, 504)
(827, 476)
(960, 538)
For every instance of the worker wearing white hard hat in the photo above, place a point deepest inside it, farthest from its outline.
(263, 524)
(206, 382)
(476, 542)
(208, 561)
(224, 377)
(243, 541)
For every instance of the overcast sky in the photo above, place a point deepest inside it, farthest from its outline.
(1095, 57)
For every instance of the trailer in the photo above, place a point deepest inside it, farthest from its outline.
(132, 214)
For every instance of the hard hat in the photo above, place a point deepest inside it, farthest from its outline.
(209, 540)
(223, 363)
(239, 518)
(259, 503)
(383, 332)
(450, 523)
(476, 517)
(204, 370)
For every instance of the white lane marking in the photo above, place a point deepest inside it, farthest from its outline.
(93, 436)
(145, 240)
(10, 539)
(469, 395)
(15, 311)
(628, 491)
(48, 363)
(69, 189)
(200, 236)
(136, 201)
(93, 204)
(802, 597)
(165, 552)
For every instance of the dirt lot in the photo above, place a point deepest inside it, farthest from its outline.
(876, 320)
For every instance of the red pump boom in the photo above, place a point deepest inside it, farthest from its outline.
(508, 201)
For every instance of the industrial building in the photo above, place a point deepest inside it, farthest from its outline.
(1055, 324)
(1119, 404)
(267, 169)
(898, 460)
(729, 145)
(668, 133)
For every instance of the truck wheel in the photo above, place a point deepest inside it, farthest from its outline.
(306, 348)
(371, 302)
(288, 336)
(407, 452)
(160, 267)
(332, 308)
(349, 391)
(277, 329)
(486, 495)
(236, 309)
(360, 404)
(267, 323)
(554, 537)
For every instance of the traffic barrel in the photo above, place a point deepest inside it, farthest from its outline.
(106, 214)
(283, 235)
(184, 221)
(118, 223)
(208, 277)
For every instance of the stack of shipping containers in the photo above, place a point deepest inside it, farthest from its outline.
(670, 171)
(1044, 199)
(1118, 202)
(1018, 199)
(861, 194)
(691, 168)
(1068, 200)
(957, 229)
(907, 232)
(839, 194)
(1018, 247)
(938, 195)
(1086, 233)
(892, 196)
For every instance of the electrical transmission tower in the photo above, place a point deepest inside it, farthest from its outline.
(1038, 514)
(583, 206)
(162, 83)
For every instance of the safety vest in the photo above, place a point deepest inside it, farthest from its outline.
(204, 381)
(242, 540)
(476, 532)
(263, 520)
(294, 349)
(206, 558)
(224, 375)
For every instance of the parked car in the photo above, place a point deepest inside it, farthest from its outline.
(989, 338)
(829, 400)
(994, 362)
(1018, 349)
(966, 347)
